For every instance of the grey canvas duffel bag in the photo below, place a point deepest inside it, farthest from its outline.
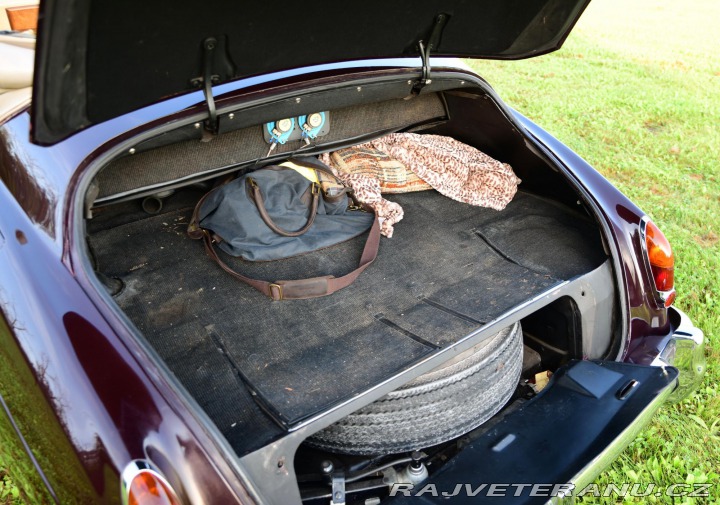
(282, 211)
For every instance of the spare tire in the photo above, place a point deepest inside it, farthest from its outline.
(435, 407)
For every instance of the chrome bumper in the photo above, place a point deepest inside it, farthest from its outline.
(603, 460)
(685, 350)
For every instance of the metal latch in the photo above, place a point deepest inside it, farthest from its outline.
(337, 480)
(338, 489)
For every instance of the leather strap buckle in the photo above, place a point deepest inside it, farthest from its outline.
(277, 289)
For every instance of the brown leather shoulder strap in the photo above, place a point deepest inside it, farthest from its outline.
(300, 289)
(260, 204)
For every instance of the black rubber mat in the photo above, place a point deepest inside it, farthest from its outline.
(449, 268)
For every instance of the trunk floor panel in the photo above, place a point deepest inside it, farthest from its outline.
(449, 268)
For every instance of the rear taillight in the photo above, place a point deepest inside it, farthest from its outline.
(141, 485)
(661, 261)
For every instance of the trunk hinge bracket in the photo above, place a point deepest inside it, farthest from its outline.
(206, 81)
(425, 50)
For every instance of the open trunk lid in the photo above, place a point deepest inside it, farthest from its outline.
(99, 60)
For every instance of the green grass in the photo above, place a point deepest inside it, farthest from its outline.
(636, 91)
(9, 492)
(26, 398)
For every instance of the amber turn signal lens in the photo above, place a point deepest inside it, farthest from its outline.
(662, 261)
(147, 488)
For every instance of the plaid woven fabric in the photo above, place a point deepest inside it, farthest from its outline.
(392, 175)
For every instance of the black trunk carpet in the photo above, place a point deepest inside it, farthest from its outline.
(449, 268)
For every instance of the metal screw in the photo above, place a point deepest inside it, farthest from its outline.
(327, 467)
(416, 457)
(297, 100)
(197, 126)
(409, 83)
(462, 83)
(359, 88)
(231, 116)
(132, 150)
(338, 496)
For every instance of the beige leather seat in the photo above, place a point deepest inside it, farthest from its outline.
(16, 72)
(16, 66)
(19, 40)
